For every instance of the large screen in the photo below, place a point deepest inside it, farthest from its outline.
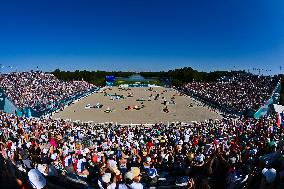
(110, 78)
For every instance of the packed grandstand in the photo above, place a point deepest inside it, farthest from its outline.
(241, 92)
(39, 90)
(230, 153)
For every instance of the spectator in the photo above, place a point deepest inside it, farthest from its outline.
(239, 93)
(226, 153)
(38, 90)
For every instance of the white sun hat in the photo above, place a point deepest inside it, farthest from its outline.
(270, 174)
(106, 177)
(36, 179)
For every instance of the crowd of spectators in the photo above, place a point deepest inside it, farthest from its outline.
(222, 154)
(241, 92)
(39, 90)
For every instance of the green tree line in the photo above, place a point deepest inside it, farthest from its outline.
(282, 91)
(177, 77)
(94, 77)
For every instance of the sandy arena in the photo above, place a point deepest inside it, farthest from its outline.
(152, 112)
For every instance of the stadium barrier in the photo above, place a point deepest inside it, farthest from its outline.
(268, 105)
(92, 123)
(6, 104)
(138, 85)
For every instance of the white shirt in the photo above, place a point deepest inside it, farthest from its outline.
(68, 160)
(79, 165)
(120, 186)
(112, 163)
(186, 137)
(136, 185)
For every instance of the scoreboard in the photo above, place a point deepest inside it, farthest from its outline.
(110, 80)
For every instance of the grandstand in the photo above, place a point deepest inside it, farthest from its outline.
(240, 94)
(141, 94)
(172, 152)
(37, 93)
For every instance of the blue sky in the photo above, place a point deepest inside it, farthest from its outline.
(142, 35)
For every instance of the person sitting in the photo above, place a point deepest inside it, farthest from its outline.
(147, 164)
(133, 178)
(80, 166)
(152, 174)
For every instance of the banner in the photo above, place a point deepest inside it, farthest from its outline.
(264, 110)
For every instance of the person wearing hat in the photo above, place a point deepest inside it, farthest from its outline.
(112, 162)
(132, 178)
(68, 162)
(136, 178)
(36, 179)
(104, 181)
(268, 179)
(128, 178)
(123, 164)
(117, 182)
(147, 163)
(80, 165)
(153, 174)
(43, 168)
(24, 155)
(134, 158)
(179, 160)
(200, 171)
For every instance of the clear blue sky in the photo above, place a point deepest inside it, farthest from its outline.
(141, 35)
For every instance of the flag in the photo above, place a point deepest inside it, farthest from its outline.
(280, 121)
